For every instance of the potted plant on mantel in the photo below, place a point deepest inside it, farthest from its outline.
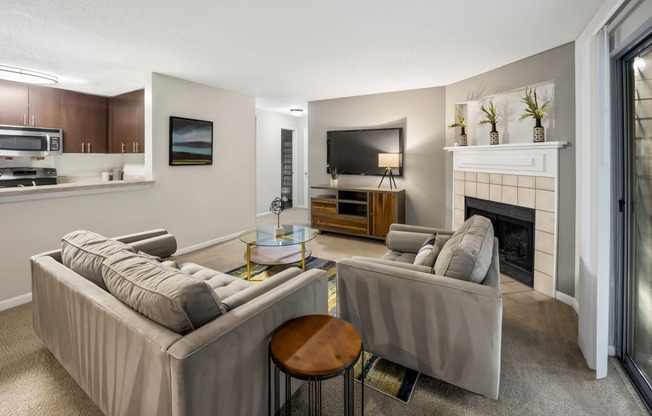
(334, 175)
(491, 117)
(461, 123)
(533, 110)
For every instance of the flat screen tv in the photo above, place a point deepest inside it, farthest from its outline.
(355, 152)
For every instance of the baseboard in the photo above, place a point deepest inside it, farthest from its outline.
(611, 350)
(17, 301)
(568, 300)
(264, 214)
(207, 243)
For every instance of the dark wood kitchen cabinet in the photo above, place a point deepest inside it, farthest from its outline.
(127, 123)
(84, 123)
(30, 105)
(14, 102)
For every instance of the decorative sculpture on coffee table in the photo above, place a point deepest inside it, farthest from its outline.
(276, 207)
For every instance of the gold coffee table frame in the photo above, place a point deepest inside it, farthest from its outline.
(289, 246)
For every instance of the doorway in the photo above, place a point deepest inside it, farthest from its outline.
(287, 168)
(634, 222)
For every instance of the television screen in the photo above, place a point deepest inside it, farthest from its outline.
(355, 152)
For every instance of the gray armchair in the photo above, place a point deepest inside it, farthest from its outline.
(444, 327)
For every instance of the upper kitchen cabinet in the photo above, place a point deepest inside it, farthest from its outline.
(14, 102)
(127, 123)
(29, 105)
(84, 123)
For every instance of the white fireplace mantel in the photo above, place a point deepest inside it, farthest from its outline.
(520, 174)
(534, 159)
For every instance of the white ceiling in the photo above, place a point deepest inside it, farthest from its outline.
(284, 52)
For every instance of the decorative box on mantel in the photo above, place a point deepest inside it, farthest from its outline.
(523, 175)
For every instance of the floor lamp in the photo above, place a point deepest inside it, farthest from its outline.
(389, 161)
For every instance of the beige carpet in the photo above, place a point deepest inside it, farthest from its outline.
(543, 371)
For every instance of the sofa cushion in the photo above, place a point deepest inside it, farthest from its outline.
(223, 284)
(467, 254)
(166, 295)
(399, 257)
(427, 255)
(84, 251)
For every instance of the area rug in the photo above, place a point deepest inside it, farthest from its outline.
(385, 376)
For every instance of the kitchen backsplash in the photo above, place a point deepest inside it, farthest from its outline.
(73, 164)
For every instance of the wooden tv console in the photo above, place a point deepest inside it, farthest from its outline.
(361, 211)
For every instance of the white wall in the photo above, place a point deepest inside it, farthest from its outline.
(421, 114)
(195, 203)
(268, 157)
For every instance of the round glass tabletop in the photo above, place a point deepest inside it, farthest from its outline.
(266, 236)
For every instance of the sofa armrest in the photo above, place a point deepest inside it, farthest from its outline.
(405, 241)
(390, 263)
(419, 229)
(143, 235)
(216, 368)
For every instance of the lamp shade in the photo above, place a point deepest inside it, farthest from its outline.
(389, 160)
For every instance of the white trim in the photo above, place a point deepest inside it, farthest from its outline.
(533, 159)
(207, 243)
(611, 350)
(509, 146)
(17, 301)
(568, 300)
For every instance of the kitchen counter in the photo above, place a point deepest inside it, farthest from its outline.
(72, 186)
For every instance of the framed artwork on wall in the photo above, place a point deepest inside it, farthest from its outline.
(191, 142)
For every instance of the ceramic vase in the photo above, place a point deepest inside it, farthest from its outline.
(493, 135)
(462, 140)
(334, 183)
(538, 132)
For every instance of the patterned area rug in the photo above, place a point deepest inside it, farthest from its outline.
(385, 376)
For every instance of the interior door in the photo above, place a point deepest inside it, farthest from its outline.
(635, 94)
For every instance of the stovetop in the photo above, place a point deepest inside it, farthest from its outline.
(23, 177)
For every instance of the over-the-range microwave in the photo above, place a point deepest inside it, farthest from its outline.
(30, 141)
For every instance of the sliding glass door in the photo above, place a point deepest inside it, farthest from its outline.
(635, 95)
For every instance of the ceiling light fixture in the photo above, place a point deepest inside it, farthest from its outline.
(10, 73)
(296, 111)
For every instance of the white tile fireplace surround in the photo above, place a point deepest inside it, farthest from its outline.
(525, 175)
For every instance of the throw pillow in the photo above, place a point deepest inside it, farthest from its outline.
(467, 254)
(426, 255)
(167, 296)
(84, 251)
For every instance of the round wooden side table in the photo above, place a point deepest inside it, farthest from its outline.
(314, 348)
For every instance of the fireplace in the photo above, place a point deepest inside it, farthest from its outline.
(514, 228)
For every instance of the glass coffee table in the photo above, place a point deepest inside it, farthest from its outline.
(265, 247)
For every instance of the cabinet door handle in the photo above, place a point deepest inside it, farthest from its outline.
(88, 147)
(133, 147)
(83, 148)
(123, 148)
(24, 119)
(137, 147)
(33, 121)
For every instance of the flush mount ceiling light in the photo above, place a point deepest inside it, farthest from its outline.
(296, 111)
(10, 73)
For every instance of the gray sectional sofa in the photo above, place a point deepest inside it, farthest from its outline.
(174, 358)
(444, 318)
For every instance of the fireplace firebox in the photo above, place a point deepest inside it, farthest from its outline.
(514, 228)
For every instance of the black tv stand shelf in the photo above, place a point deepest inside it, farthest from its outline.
(361, 211)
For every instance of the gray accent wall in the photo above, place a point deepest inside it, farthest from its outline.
(421, 114)
(556, 65)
